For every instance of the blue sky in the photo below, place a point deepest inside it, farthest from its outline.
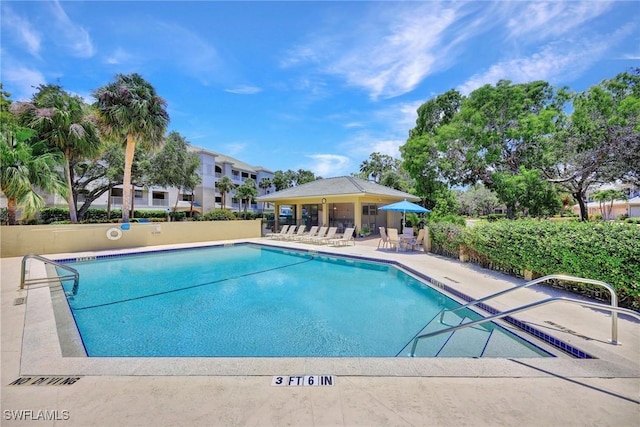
(310, 85)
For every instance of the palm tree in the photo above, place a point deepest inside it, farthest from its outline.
(130, 111)
(23, 170)
(224, 186)
(247, 192)
(265, 183)
(66, 123)
(23, 167)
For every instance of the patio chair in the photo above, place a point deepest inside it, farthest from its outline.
(418, 241)
(298, 233)
(309, 238)
(383, 238)
(393, 239)
(346, 238)
(282, 231)
(331, 233)
(287, 235)
(311, 233)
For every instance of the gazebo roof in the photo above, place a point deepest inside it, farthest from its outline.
(338, 186)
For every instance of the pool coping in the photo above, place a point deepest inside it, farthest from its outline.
(41, 353)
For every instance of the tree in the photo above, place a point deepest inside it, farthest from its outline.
(377, 164)
(94, 178)
(604, 196)
(247, 192)
(265, 184)
(65, 123)
(130, 111)
(175, 166)
(527, 193)
(477, 200)
(420, 152)
(224, 186)
(600, 142)
(289, 178)
(24, 167)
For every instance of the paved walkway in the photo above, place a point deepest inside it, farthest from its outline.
(366, 391)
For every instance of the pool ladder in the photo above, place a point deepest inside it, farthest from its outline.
(74, 274)
(613, 308)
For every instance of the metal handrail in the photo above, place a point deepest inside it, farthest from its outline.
(614, 296)
(523, 308)
(74, 273)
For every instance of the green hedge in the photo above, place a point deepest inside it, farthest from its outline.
(61, 215)
(219, 215)
(602, 251)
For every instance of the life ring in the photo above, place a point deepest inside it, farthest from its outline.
(114, 233)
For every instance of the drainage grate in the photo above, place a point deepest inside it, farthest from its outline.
(449, 278)
(19, 301)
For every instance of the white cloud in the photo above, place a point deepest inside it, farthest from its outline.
(553, 62)
(329, 165)
(25, 79)
(244, 90)
(22, 30)
(388, 54)
(71, 35)
(234, 149)
(118, 57)
(540, 20)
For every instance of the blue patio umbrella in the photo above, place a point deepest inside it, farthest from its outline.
(404, 207)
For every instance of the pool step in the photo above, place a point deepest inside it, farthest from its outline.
(501, 345)
(431, 346)
(467, 342)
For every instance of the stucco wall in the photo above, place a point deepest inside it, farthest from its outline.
(50, 239)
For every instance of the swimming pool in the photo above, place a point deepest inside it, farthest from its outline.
(254, 301)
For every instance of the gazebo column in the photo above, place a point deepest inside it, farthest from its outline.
(357, 215)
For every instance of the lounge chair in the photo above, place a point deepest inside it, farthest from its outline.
(393, 240)
(298, 233)
(312, 233)
(346, 238)
(320, 233)
(383, 238)
(288, 234)
(331, 233)
(282, 231)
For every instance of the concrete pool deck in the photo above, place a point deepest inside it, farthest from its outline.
(366, 391)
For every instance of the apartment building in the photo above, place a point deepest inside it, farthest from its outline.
(206, 197)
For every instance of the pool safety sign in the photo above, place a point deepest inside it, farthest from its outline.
(303, 381)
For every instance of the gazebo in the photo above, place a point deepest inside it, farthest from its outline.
(342, 202)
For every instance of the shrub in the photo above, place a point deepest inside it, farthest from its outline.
(219, 215)
(50, 215)
(609, 252)
(447, 235)
(495, 217)
(246, 215)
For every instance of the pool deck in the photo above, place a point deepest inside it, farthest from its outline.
(604, 391)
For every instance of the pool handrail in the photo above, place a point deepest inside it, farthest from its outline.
(524, 308)
(74, 273)
(566, 278)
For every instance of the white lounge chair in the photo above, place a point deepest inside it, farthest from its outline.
(282, 231)
(298, 233)
(331, 233)
(346, 238)
(320, 233)
(311, 233)
(288, 234)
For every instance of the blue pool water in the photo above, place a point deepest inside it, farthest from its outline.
(247, 300)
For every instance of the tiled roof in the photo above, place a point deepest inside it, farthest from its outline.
(342, 185)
